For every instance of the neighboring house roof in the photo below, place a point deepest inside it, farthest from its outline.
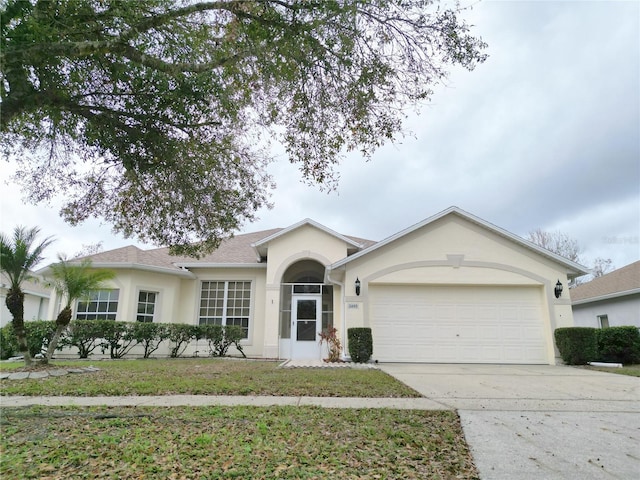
(621, 282)
(30, 287)
(574, 269)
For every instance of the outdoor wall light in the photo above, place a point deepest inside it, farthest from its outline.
(357, 286)
(558, 289)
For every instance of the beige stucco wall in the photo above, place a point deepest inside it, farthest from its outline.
(189, 301)
(454, 251)
(304, 243)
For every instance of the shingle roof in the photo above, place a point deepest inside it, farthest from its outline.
(237, 250)
(625, 279)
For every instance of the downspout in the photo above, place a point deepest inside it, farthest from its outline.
(342, 312)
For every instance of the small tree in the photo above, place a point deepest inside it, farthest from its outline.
(18, 256)
(73, 282)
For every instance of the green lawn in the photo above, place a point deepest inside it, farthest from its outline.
(207, 376)
(631, 370)
(232, 442)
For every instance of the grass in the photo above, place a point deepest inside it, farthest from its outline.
(206, 376)
(631, 370)
(232, 442)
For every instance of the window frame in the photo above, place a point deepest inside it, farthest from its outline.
(97, 313)
(223, 303)
(153, 314)
(602, 319)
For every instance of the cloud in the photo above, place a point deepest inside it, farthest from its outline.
(545, 134)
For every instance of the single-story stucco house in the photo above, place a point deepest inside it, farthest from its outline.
(36, 300)
(452, 288)
(612, 300)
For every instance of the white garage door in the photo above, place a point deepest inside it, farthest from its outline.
(457, 324)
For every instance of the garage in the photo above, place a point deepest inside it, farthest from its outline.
(457, 324)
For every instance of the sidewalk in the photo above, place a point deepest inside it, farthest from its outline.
(211, 400)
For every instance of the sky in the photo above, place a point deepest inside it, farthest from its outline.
(545, 134)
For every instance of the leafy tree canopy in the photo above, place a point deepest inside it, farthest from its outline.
(153, 114)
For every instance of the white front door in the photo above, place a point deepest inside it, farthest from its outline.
(306, 322)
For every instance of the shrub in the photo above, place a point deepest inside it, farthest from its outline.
(149, 335)
(39, 333)
(619, 344)
(221, 338)
(577, 345)
(234, 334)
(85, 335)
(181, 334)
(330, 336)
(118, 338)
(8, 342)
(360, 344)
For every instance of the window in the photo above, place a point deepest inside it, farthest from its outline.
(146, 306)
(226, 303)
(101, 305)
(603, 321)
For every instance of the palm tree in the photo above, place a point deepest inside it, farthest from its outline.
(73, 281)
(18, 256)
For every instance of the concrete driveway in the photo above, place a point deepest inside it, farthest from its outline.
(538, 421)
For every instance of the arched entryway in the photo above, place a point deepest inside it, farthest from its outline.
(306, 308)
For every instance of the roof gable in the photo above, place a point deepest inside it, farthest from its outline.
(261, 246)
(620, 282)
(574, 269)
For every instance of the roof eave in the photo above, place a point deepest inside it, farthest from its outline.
(221, 265)
(573, 269)
(136, 266)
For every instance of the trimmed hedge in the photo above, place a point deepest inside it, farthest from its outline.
(619, 344)
(360, 344)
(581, 345)
(577, 345)
(180, 335)
(39, 333)
(85, 335)
(119, 338)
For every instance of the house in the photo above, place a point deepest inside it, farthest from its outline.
(452, 288)
(36, 300)
(611, 300)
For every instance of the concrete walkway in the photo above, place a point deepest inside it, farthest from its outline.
(538, 422)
